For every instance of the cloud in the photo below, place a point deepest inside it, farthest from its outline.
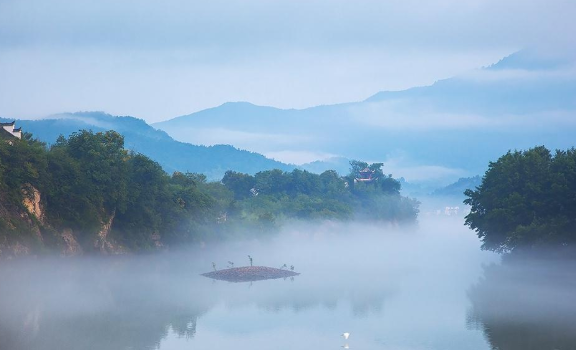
(157, 60)
(397, 115)
(567, 72)
(159, 85)
(424, 173)
(299, 157)
(250, 23)
(406, 116)
(246, 140)
(399, 164)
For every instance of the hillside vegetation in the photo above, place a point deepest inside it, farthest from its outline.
(304, 195)
(87, 193)
(526, 201)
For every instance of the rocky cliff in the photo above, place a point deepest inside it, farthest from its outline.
(25, 230)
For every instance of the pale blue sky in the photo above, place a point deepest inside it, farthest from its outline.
(160, 59)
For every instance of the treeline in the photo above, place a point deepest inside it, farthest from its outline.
(300, 194)
(526, 201)
(91, 185)
(89, 181)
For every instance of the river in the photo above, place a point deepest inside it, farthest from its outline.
(423, 288)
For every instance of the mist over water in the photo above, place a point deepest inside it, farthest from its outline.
(427, 287)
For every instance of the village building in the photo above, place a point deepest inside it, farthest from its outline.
(366, 175)
(451, 211)
(8, 128)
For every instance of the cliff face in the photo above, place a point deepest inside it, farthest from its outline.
(19, 230)
(103, 243)
(32, 202)
(25, 230)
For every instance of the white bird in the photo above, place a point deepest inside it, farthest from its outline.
(345, 346)
(346, 335)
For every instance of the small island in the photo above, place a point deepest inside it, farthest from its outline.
(249, 274)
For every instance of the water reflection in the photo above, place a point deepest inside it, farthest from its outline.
(93, 307)
(135, 303)
(396, 290)
(526, 303)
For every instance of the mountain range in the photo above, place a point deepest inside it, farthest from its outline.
(438, 133)
(140, 137)
(431, 135)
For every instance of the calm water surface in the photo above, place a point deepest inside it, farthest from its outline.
(427, 288)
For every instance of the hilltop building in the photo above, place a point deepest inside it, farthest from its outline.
(366, 175)
(8, 128)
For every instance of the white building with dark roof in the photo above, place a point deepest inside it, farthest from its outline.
(9, 127)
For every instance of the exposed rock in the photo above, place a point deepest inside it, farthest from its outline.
(12, 250)
(22, 226)
(36, 231)
(17, 225)
(71, 246)
(249, 274)
(32, 202)
(18, 249)
(103, 243)
(156, 239)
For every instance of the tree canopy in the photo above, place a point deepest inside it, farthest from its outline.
(527, 199)
(89, 180)
(275, 194)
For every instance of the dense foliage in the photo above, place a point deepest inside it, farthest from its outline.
(300, 194)
(89, 180)
(90, 183)
(527, 199)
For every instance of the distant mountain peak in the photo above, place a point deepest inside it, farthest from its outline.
(528, 60)
(140, 137)
(237, 103)
(531, 60)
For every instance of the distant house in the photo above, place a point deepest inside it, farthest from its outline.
(451, 211)
(8, 128)
(366, 175)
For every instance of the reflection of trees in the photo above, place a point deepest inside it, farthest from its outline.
(527, 304)
(134, 303)
(41, 313)
(133, 327)
(361, 303)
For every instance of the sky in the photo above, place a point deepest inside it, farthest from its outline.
(160, 59)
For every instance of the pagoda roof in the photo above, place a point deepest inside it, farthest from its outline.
(8, 124)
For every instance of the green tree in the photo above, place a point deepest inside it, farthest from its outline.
(526, 200)
(103, 159)
(272, 182)
(239, 183)
(149, 204)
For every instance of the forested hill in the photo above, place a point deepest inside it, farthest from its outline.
(87, 193)
(173, 155)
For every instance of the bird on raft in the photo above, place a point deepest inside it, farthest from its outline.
(346, 335)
